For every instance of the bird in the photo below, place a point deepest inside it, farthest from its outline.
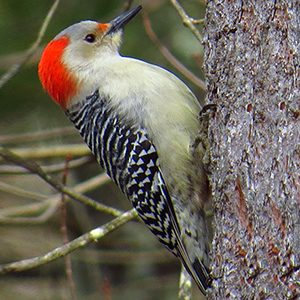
(140, 121)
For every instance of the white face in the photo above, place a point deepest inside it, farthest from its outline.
(89, 41)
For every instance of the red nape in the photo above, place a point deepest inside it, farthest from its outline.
(54, 76)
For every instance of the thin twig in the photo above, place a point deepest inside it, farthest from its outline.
(11, 189)
(64, 230)
(36, 169)
(30, 209)
(128, 5)
(13, 170)
(200, 21)
(33, 208)
(50, 210)
(170, 57)
(92, 184)
(198, 59)
(106, 287)
(33, 136)
(81, 241)
(15, 68)
(53, 151)
(188, 21)
(11, 215)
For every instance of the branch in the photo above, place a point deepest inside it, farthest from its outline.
(64, 231)
(128, 5)
(53, 151)
(36, 169)
(33, 136)
(9, 169)
(81, 241)
(179, 66)
(15, 68)
(47, 207)
(198, 59)
(187, 20)
(11, 189)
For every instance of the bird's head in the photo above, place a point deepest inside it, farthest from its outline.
(63, 65)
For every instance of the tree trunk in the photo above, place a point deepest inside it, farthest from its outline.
(252, 69)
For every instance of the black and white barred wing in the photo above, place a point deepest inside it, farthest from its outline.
(131, 160)
(148, 192)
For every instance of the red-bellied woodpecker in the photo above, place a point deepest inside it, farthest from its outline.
(139, 120)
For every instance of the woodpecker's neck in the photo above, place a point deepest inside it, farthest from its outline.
(94, 76)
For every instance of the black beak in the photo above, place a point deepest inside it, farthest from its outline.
(120, 22)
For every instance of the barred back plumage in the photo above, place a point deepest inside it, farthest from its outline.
(131, 160)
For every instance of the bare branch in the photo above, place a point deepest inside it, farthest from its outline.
(53, 151)
(128, 5)
(26, 209)
(36, 169)
(200, 21)
(64, 231)
(170, 57)
(46, 208)
(33, 136)
(15, 68)
(8, 169)
(187, 20)
(198, 59)
(81, 241)
(8, 188)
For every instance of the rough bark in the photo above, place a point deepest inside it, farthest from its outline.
(252, 68)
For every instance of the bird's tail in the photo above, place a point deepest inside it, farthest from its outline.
(193, 247)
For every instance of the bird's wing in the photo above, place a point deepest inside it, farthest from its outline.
(131, 160)
(148, 192)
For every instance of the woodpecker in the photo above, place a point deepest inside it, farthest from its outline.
(139, 120)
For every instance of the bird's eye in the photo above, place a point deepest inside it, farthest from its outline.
(90, 38)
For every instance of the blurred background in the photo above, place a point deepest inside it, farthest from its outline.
(129, 263)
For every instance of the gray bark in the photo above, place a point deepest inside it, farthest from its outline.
(252, 70)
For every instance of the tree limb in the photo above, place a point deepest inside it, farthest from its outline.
(187, 20)
(167, 54)
(58, 252)
(15, 68)
(36, 169)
